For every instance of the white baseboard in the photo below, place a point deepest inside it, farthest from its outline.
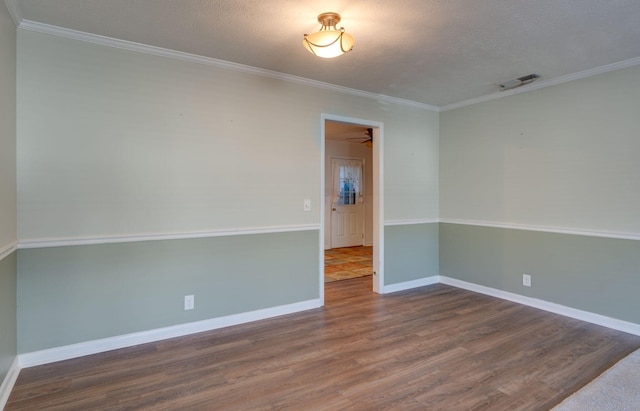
(106, 344)
(613, 323)
(421, 282)
(96, 346)
(8, 382)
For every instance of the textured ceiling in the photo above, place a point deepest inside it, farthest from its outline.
(435, 52)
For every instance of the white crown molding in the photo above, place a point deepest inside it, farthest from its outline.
(158, 51)
(112, 343)
(7, 250)
(613, 323)
(8, 382)
(546, 83)
(558, 230)
(193, 58)
(407, 285)
(130, 238)
(14, 11)
(411, 221)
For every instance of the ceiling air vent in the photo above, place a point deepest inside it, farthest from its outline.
(517, 82)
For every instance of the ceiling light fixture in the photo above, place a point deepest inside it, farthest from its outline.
(329, 41)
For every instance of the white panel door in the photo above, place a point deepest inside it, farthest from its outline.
(347, 209)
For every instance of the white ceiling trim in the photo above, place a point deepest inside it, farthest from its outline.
(546, 83)
(12, 6)
(159, 51)
(14, 11)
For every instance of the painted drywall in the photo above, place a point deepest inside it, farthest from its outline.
(73, 294)
(343, 149)
(114, 142)
(119, 143)
(8, 328)
(594, 274)
(8, 225)
(562, 156)
(411, 168)
(8, 213)
(411, 252)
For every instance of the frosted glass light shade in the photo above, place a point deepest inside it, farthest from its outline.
(328, 43)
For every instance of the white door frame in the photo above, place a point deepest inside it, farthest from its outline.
(378, 198)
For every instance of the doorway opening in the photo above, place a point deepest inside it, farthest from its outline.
(351, 236)
(349, 241)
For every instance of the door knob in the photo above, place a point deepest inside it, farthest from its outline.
(333, 209)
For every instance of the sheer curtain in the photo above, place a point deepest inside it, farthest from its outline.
(348, 183)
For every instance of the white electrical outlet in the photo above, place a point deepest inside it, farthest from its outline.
(307, 205)
(526, 280)
(189, 302)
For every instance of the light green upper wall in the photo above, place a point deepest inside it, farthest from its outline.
(411, 171)
(562, 156)
(8, 227)
(117, 142)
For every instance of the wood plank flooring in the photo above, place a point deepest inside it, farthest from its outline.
(435, 348)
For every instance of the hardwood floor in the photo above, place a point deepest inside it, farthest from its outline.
(435, 348)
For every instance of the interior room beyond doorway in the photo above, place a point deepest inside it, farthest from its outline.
(347, 262)
(348, 201)
(367, 136)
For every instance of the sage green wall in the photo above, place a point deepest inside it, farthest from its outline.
(8, 216)
(410, 252)
(73, 294)
(598, 275)
(561, 157)
(8, 328)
